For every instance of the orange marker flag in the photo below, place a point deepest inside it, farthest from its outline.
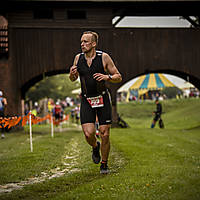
(25, 119)
(13, 121)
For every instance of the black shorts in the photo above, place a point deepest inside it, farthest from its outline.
(104, 114)
(156, 118)
(57, 116)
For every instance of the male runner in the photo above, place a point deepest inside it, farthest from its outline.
(95, 68)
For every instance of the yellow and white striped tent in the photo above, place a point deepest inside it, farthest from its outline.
(153, 81)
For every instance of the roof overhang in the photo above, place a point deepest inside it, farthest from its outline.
(118, 7)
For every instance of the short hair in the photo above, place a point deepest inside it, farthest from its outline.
(95, 36)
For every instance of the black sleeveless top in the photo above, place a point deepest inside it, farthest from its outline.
(89, 86)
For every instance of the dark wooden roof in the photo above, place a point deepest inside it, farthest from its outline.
(113, 1)
(118, 7)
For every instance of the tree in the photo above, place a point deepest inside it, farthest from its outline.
(171, 92)
(55, 87)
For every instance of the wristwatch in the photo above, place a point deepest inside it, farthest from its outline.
(110, 76)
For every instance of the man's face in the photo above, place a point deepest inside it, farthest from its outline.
(86, 43)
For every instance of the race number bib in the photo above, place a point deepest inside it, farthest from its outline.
(96, 102)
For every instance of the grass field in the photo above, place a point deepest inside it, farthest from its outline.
(145, 164)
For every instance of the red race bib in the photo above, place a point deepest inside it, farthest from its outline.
(96, 102)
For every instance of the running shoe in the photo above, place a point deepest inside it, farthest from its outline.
(104, 168)
(96, 154)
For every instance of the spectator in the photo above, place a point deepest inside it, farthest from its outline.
(35, 110)
(57, 112)
(72, 114)
(3, 104)
(77, 113)
(157, 114)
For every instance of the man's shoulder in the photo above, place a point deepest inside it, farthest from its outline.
(106, 57)
(78, 55)
(99, 52)
(76, 59)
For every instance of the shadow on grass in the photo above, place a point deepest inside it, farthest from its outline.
(194, 128)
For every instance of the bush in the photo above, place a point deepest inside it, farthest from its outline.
(171, 92)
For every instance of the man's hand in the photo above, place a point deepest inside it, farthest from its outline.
(100, 77)
(73, 70)
(73, 73)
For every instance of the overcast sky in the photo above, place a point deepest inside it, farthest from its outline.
(152, 22)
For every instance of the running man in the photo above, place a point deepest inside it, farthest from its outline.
(95, 68)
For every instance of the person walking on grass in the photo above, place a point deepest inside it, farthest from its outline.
(3, 104)
(157, 114)
(95, 68)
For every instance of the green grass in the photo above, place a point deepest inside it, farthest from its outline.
(150, 164)
(178, 114)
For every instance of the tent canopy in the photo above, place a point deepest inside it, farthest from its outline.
(152, 81)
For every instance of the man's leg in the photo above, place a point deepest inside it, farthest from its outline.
(89, 131)
(105, 141)
(153, 124)
(154, 121)
(105, 148)
(2, 131)
(2, 125)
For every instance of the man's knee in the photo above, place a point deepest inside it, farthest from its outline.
(89, 132)
(105, 138)
(104, 135)
(104, 129)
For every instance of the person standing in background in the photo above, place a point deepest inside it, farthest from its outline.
(157, 115)
(3, 104)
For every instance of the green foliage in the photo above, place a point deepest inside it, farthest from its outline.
(171, 92)
(55, 87)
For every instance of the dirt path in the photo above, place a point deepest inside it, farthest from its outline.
(68, 160)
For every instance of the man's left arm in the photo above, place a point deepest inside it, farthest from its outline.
(113, 74)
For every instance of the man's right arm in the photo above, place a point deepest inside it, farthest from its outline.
(73, 75)
(4, 101)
